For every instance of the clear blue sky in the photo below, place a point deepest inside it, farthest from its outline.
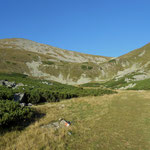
(100, 27)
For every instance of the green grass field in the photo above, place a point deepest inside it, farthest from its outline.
(111, 122)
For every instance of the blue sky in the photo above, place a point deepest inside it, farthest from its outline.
(99, 27)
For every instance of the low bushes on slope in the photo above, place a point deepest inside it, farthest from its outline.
(91, 85)
(115, 83)
(36, 92)
(38, 95)
(6, 93)
(121, 82)
(84, 67)
(48, 62)
(12, 114)
(141, 85)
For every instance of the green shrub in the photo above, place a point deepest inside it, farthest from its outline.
(35, 58)
(12, 75)
(6, 93)
(115, 84)
(12, 114)
(48, 62)
(90, 67)
(112, 61)
(84, 67)
(8, 62)
(141, 85)
(91, 85)
(14, 63)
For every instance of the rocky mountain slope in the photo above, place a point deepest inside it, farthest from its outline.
(136, 62)
(51, 63)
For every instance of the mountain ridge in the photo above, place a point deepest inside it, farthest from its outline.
(21, 42)
(53, 46)
(69, 67)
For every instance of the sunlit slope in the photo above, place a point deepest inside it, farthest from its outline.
(119, 121)
(55, 53)
(44, 61)
(136, 61)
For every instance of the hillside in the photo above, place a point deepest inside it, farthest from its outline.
(135, 61)
(51, 63)
(44, 61)
(97, 117)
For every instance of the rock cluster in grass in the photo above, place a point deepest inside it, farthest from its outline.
(57, 124)
(18, 97)
(10, 84)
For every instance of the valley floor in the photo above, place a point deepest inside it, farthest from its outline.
(110, 122)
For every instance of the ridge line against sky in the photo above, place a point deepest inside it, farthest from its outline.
(77, 50)
(98, 27)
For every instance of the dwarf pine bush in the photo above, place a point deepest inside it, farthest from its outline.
(12, 114)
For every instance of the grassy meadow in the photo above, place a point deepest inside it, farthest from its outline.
(110, 122)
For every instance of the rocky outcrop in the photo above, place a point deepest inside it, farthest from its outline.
(10, 84)
(57, 124)
(7, 83)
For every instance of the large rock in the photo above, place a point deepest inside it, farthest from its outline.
(19, 84)
(19, 97)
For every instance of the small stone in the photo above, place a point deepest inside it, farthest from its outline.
(22, 104)
(61, 106)
(69, 133)
(29, 104)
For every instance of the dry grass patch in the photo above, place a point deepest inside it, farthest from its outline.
(119, 121)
